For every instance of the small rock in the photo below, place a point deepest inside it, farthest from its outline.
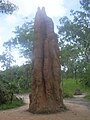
(78, 92)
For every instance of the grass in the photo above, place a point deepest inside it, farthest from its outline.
(87, 96)
(14, 104)
(70, 85)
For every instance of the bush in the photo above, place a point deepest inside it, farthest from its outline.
(4, 95)
(85, 78)
(9, 105)
(7, 92)
(69, 87)
(67, 95)
(87, 96)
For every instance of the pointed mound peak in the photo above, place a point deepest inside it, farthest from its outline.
(41, 10)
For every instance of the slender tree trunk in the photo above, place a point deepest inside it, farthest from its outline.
(46, 92)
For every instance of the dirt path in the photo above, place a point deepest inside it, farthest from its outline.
(79, 109)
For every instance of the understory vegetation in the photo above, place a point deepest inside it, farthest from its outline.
(69, 87)
(74, 43)
(14, 104)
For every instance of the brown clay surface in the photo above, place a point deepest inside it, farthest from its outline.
(46, 76)
(79, 109)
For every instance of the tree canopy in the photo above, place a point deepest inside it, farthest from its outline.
(23, 40)
(75, 40)
(7, 7)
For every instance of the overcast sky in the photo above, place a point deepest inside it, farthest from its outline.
(54, 9)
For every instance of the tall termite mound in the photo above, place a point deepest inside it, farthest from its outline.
(46, 96)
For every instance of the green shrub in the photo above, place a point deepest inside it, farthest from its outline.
(7, 91)
(4, 94)
(85, 77)
(14, 104)
(69, 87)
(87, 96)
(67, 95)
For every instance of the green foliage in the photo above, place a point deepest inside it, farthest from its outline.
(4, 94)
(17, 79)
(86, 5)
(14, 80)
(24, 39)
(69, 60)
(16, 103)
(87, 96)
(75, 43)
(70, 85)
(7, 90)
(85, 76)
(6, 60)
(7, 7)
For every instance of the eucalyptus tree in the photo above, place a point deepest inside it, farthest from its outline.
(23, 40)
(7, 7)
(6, 60)
(76, 34)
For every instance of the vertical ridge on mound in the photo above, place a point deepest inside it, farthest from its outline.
(46, 78)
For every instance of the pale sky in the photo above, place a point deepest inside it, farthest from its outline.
(54, 9)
